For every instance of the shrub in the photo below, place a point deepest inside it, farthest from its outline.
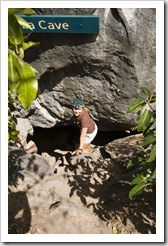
(146, 113)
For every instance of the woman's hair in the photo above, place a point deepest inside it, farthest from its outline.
(86, 110)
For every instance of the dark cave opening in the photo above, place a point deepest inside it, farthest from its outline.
(67, 137)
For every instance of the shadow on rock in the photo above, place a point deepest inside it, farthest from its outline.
(103, 187)
(14, 167)
(24, 171)
(23, 166)
(18, 213)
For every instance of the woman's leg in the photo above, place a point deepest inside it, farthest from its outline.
(89, 138)
(86, 148)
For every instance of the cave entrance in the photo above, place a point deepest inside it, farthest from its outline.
(67, 137)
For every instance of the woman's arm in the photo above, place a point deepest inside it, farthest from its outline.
(82, 137)
(82, 141)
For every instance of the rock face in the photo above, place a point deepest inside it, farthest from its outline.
(106, 70)
(125, 149)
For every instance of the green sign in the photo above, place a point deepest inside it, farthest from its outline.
(62, 23)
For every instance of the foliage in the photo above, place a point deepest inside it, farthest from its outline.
(146, 125)
(22, 78)
(12, 133)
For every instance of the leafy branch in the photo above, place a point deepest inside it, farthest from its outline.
(22, 78)
(146, 124)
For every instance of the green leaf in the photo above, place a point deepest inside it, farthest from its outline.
(22, 11)
(21, 53)
(150, 139)
(14, 30)
(13, 76)
(28, 84)
(137, 189)
(153, 176)
(152, 156)
(129, 164)
(140, 159)
(139, 108)
(26, 46)
(153, 99)
(140, 178)
(146, 91)
(13, 135)
(135, 104)
(144, 120)
(23, 22)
